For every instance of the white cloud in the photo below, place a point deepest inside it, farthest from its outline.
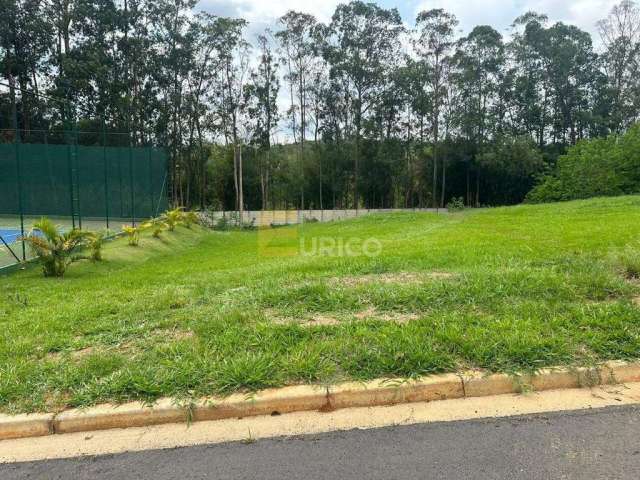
(264, 13)
(497, 13)
(501, 13)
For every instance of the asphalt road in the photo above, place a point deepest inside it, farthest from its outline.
(596, 444)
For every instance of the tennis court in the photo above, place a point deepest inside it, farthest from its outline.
(10, 233)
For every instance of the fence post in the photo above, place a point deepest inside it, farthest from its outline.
(70, 172)
(133, 197)
(20, 200)
(77, 174)
(106, 172)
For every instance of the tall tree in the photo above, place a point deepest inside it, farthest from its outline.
(298, 40)
(479, 60)
(233, 51)
(262, 99)
(365, 39)
(620, 35)
(436, 29)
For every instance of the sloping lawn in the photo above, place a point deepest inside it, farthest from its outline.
(202, 312)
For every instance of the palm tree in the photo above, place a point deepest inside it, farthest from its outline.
(55, 249)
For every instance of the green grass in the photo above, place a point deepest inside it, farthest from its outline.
(200, 312)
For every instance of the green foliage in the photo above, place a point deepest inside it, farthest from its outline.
(231, 221)
(156, 225)
(133, 234)
(173, 218)
(190, 218)
(598, 167)
(456, 204)
(628, 261)
(95, 242)
(56, 249)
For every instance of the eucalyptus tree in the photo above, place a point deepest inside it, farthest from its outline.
(434, 42)
(531, 91)
(479, 60)
(620, 35)
(233, 53)
(299, 45)
(570, 66)
(364, 41)
(25, 39)
(261, 98)
(172, 34)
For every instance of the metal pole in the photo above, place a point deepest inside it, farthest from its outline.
(77, 168)
(70, 171)
(133, 197)
(20, 201)
(106, 172)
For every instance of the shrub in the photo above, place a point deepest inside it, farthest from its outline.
(190, 218)
(597, 167)
(233, 222)
(208, 219)
(55, 249)
(156, 226)
(173, 218)
(95, 242)
(133, 234)
(456, 204)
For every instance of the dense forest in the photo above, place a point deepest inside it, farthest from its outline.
(362, 111)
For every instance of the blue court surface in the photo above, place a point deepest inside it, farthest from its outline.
(10, 235)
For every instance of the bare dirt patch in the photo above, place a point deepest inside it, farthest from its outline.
(395, 277)
(636, 301)
(76, 354)
(324, 320)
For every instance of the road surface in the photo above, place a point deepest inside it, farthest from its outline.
(592, 444)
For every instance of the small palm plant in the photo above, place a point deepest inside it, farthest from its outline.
(133, 234)
(173, 218)
(157, 226)
(55, 249)
(95, 242)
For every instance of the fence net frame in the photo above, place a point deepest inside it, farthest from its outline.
(79, 179)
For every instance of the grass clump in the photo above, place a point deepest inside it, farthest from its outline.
(628, 261)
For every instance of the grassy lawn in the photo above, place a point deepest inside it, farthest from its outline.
(201, 312)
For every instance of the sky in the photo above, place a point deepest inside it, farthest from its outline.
(497, 13)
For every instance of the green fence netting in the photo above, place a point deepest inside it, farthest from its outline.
(82, 181)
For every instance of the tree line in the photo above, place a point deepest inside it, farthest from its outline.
(361, 111)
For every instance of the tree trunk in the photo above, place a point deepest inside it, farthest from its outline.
(241, 194)
(444, 182)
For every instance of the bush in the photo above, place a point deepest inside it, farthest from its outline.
(232, 221)
(456, 204)
(190, 218)
(173, 218)
(95, 242)
(157, 226)
(133, 234)
(598, 167)
(55, 249)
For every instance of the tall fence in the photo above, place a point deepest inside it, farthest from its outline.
(79, 179)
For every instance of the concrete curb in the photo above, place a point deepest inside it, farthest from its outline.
(313, 398)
